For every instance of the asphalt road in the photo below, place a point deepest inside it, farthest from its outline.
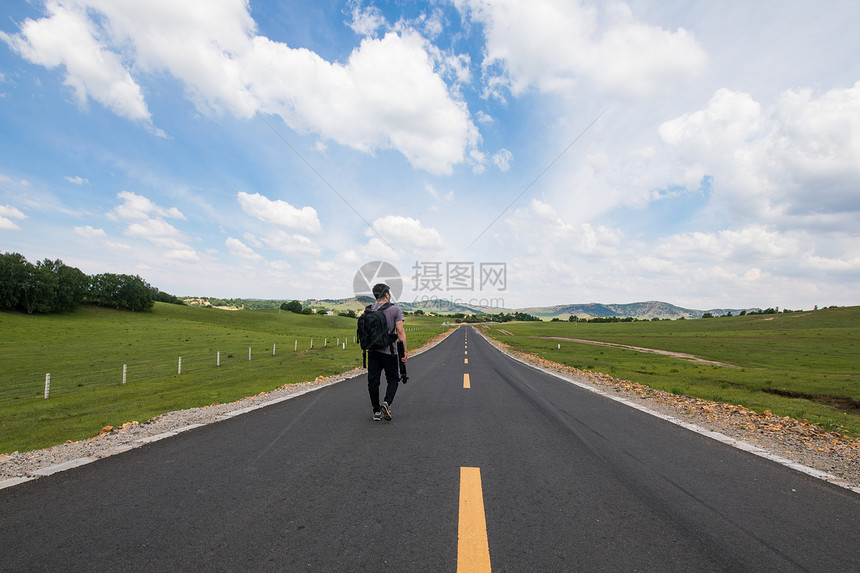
(570, 481)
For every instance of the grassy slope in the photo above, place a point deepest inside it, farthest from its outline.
(84, 351)
(814, 353)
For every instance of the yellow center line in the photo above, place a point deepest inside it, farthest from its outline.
(466, 381)
(473, 549)
(465, 361)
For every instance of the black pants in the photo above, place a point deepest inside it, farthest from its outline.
(376, 363)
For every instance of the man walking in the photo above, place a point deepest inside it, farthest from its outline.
(385, 358)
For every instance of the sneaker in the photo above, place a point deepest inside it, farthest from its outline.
(377, 416)
(386, 411)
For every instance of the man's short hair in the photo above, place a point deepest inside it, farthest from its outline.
(379, 290)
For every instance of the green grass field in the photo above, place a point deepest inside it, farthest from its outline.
(805, 365)
(85, 351)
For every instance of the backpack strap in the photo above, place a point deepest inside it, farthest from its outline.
(392, 334)
(393, 348)
(363, 351)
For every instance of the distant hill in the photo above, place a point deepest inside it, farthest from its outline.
(358, 303)
(641, 310)
(447, 307)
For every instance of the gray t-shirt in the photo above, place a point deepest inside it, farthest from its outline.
(393, 315)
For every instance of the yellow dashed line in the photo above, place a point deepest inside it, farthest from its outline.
(473, 549)
(466, 381)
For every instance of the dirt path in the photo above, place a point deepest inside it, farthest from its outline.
(689, 357)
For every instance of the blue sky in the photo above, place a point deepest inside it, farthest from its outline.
(702, 154)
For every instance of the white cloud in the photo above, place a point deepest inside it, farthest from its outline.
(750, 266)
(483, 117)
(145, 221)
(755, 253)
(366, 20)
(753, 274)
(280, 266)
(447, 198)
(795, 162)
(539, 229)
(197, 41)
(828, 264)
(137, 207)
(456, 67)
(252, 240)
(406, 231)
(7, 179)
(554, 44)
(653, 264)
(374, 250)
(89, 232)
(7, 213)
(241, 250)
(502, 159)
(754, 242)
(76, 180)
(187, 254)
(434, 24)
(479, 159)
(638, 59)
(69, 38)
(155, 230)
(288, 226)
(387, 95)
(820, 138)
(279, 213)
(291, 243)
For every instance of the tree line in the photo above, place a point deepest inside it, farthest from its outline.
(297, 307)
(499, 317)
(52, 286)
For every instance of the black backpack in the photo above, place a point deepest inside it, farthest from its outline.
(373, 331)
